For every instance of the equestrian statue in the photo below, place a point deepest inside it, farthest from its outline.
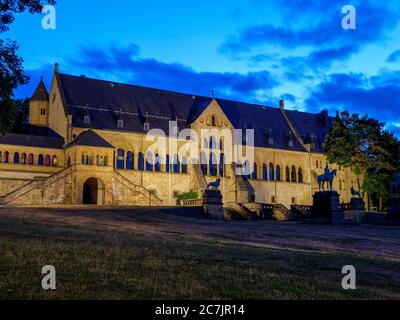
(328, 177)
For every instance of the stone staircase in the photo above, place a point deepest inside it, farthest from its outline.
(153, 199)
(238, 210)
(37, 183)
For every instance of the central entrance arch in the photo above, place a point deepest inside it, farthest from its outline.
(93, 192)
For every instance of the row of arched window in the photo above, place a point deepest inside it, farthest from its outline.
(211, 166)
(29, 159)
(89, 160)
(151, 163)
(213, 144)
(271, 173)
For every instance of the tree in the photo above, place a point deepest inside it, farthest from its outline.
(11, 70)
(363, 144)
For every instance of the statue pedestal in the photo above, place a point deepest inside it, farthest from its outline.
(326, 205)
(212, 205)
(393, 212)
(357, 204)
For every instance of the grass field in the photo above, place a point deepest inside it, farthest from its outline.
(150, 254)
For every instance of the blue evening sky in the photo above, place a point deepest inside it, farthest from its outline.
(250, 50)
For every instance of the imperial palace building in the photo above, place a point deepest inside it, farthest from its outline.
(88, 144)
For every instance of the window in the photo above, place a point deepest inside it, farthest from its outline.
(287, 174)
(254, 172)
(86, 119)
(146, 126)
(264, 172)
(293, 174)
(221, 145)
(213, 143)
(273, 199)
(157, 163)
(23, 158)
(140, 161)
(176, 164)
(6, 157)
(1, 157)
(30, 159)
(294, 200)
(270, 140)
(271, 172)
(54, 161)
(120, 158)
(213, 165)
(184, 165)
(221, 164)
(213, 121)
(120, 123)
(69, 162)
(167, 164)
(149, 161)
(83, 159)
(16, 157)
(205, 143)
(278, 173)
(300, 175)
(129, 160)
(40, 160)
(291, 143)
(47, 160)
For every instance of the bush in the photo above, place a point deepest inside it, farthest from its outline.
(192, 195)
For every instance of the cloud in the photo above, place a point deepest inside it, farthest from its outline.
(124, 64)
(314, 27)
(394, 57)
(378, 96)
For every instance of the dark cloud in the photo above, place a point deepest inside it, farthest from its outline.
(124, 64)
(394, 57)
(315, 25)
(377, 96)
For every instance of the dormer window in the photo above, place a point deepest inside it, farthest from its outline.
(146, 126)
(86, 119)
(120, 123)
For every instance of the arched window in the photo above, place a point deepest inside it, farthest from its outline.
(287, 174)
(16, 157)
(47, 160)
(213, 165)
(300, 175)
(69, 162)
(221, 144)
(221, 164)
(213, 143)
(87, 162)
(130, 160)
(149, 161)
(40, 160)
(203, 163)
(105, 161)
(6, 157)
(157, 163)
(176, 164)
(23, 158)
(120, 158)
(184, 165)
(264, 172)
(167, 164)
(83, 159)
(205, 143)
(278, 173)
(54, 161)
(271, 172)
(213, 121)
(254, 174)
(140, 161)
(294, 175)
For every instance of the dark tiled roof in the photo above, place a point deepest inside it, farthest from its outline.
(40, 93)
(106, 102)
(90, 138)
(32, 141)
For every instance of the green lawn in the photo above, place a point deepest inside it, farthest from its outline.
(104, 262)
